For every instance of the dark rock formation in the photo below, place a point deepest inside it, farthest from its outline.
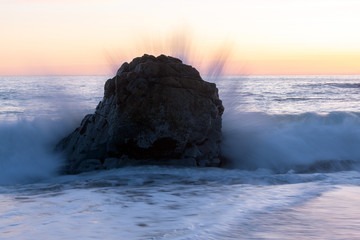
(156, 110)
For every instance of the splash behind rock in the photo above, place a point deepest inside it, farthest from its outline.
(156, 110)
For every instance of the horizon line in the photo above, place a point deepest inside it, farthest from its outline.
(225, 75)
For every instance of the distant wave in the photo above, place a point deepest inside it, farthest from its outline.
(301, 143)
(294, 99)
(336, 85)
(345, 85)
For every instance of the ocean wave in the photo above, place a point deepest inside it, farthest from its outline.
(295, 99)
(282, 143)
(307, 142)
(327, 84)
(26, 149)
(344, 85)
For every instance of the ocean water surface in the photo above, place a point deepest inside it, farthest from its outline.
(293, 144)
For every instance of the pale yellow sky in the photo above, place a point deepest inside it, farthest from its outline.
(255, 36)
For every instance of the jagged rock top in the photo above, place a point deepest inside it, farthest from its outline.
(161, 66)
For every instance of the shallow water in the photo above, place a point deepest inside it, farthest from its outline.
(176, 203)
(294, 173)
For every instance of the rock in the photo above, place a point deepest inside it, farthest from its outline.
(110, 163)
(155, 110)
(88, 165)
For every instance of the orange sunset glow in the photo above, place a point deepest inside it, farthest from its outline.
(81, 37)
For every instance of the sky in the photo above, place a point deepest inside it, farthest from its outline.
(252, 37)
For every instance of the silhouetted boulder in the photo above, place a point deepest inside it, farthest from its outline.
(156, 110)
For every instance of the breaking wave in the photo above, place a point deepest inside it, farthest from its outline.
(26, 149)
(301, 143)
(283, 143)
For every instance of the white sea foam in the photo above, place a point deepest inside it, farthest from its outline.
(148, 203)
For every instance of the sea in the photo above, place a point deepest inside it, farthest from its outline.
(292, 145)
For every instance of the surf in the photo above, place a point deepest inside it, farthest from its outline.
(307, 142)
